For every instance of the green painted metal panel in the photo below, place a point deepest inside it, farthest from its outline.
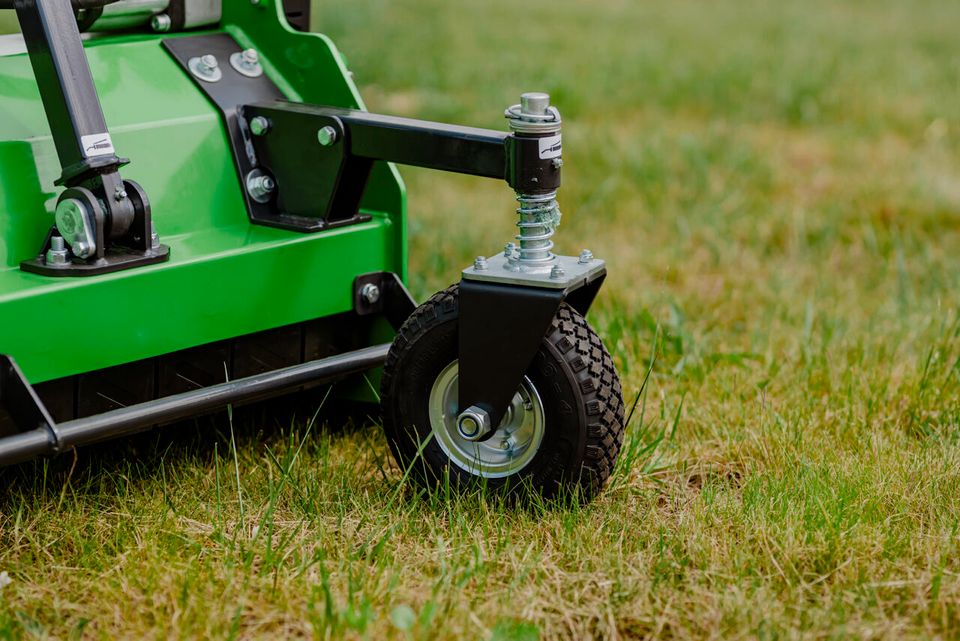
(226, 277)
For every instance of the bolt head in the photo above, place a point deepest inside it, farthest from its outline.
(480, 263)
(557, 272)
(370, 293)
(82, 249)
(210, 62)
(259, 126)
(161, 23)
(327, 136)
(534, 103)
(586, 256)
(508, 250)
(251, 57)
(557, 163)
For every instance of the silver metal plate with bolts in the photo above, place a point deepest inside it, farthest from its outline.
(500, 270)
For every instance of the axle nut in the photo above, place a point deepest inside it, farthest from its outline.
(474, 423)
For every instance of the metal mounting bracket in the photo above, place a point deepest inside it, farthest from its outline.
(502, 324)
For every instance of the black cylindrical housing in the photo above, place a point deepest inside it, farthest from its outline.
(532, 166)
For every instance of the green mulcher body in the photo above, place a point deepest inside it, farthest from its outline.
(225, 277)
(255, 245)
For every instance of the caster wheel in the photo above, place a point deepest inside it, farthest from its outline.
(562, 431)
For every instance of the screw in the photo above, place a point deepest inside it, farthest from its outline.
(327, 136)
(260, 187)
(161, 23)
(505, 444)
(209, 63)
(557, 272)
(250, 58)
(57, 254)
(508, 250)
(120, 194)
(585, 256)
(480, 263)
(370, 293)
(557, 163)
(260, 126)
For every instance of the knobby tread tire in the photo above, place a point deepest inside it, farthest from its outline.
(584, 395)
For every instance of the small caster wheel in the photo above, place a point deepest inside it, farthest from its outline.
(562, 431)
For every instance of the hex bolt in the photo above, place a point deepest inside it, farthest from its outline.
(120, 194)
(250, 58)
(505, 444)
(480, 263)
(557, 272)
(209, 63)
(57, 254)
(260, 187)
(586, 256)
(474, 423)
(327, 136)
(206, 68)
(557, 163)
(370, 293)
(154, 236)
(260, 126)
(509, 249)
(161, 23)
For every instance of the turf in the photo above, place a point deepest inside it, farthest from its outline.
(776, 187)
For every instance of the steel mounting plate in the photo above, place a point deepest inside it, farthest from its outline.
(575, 273)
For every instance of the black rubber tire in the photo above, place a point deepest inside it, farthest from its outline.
(572, 372)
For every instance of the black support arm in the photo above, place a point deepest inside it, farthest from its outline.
(320, 157)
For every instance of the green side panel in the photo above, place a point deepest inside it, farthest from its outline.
(226, 277)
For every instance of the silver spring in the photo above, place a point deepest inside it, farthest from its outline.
(539, 217)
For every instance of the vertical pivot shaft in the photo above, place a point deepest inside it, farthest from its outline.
(539, 213)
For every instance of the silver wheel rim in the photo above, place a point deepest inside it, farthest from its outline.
(512, 446)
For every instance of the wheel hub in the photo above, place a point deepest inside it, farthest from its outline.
(508, 450)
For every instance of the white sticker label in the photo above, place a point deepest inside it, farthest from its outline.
(550, 147)
(98, 145)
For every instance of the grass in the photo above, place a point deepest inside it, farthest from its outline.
(776, 187)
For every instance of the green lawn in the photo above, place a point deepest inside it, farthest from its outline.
(776, 187)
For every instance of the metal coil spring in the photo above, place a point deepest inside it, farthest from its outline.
(539, 217)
